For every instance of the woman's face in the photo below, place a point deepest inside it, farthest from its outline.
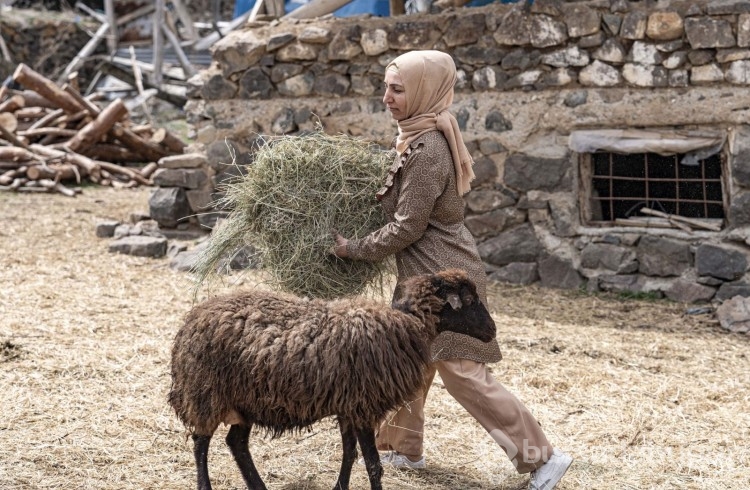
(395, 97)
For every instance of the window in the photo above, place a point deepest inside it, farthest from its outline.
(628, 187)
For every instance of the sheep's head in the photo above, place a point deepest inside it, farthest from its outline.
(447, 301)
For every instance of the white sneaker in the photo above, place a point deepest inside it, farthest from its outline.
(549, 474)
(396, 460)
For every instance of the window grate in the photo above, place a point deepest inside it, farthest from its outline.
(622, 184)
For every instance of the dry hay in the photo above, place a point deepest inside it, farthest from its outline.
(295, 193)
(642, 395)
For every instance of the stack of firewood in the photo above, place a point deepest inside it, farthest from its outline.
(52, 136)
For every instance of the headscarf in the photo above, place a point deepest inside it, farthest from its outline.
(429, 77)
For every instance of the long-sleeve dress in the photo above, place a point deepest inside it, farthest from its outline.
(426, 232)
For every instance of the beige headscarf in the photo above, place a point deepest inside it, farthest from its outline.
(428, 78)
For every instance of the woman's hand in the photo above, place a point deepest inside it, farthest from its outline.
(339, 249)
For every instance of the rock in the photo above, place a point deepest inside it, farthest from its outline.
(570, 56)
(180, 177)
(734, 314)
(706, 74)
(140, 246)
(217, 88)
(280, 40)
(106, 229)
(168, 205)
(685, 291)
(581, 20)
(238, 53)
(464, 29)
(721, 262)
(415, 34)
(185, 160)
(297, 52)
(645, 54)
(612, 257)
(343, 47)
(514, 29)
(555, 272)
(645, 76)
(485, 172)
(576, 98)
(493, 222)
(546, 31)
(526, 172)
(297, 86)
(483, 200)
(331, 85)
(611, 51)
(634, 25)
(495, 121)
(255, 84)
(665, 26)
(374, 42)
(739, 73)
(739, 210)
(478, 55)
(522, 273)
(488, 77)
(732, 289)
(743, 30)
(315, 35)
(518, 244)
(662, 256)
(599, 74)
(283, 71)
(705, 32)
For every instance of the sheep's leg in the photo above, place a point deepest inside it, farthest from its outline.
(237, 440)
(200, 451)
(366, 437)
(349, 444)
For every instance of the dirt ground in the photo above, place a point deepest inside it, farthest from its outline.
(641, 394)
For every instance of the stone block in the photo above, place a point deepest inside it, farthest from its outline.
(168, 206)
(581, 20)
(179, 177)
(464, 29)
(186, 160)
(547, 32)
(106, 229)
(599, 74)
(738, 73)
(522, 273)
(722, 262)
(665, 26)
(518, 244)
(374, 42)
(734, 315)
(555, 272)
(525, 173)
(705, 32)
(662, 257)
(140, 246)
(634, 25)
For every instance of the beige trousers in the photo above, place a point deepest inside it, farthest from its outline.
(502, 415)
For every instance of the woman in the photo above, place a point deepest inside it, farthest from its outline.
(422, 197)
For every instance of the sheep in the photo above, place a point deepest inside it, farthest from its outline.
(282, 363)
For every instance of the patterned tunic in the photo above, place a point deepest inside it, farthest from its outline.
(426, 232)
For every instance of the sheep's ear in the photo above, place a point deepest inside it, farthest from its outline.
(454, 300)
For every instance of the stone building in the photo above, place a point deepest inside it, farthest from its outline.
(610, 137)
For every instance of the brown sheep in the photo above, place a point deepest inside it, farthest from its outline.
(282, 363)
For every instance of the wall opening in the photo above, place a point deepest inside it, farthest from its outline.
(622, 184)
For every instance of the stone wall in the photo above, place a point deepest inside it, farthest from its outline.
(527, 78)
(46, 41)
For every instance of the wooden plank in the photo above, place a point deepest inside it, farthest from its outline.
(318, 8)
(85, 52)
(113, 38)
(191, 33)
(125, 76)
(158, 36)
(697, 223)
(187, 67)
(397, 7)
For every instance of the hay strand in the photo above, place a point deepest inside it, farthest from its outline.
(295, 193)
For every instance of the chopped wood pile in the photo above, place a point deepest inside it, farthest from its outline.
(52, 136)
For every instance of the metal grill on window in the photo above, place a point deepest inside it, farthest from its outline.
(621, 185)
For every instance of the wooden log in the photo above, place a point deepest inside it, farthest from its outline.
(33, 99)
(111, 153)
(14, 186)
(696, 223)
(149, 151)
(146, 149)
(55, 171)
(94, 130)
(135, 14)
(127, 172)
(89, 166)
(149, 169)
(163, 137)
(13, 103)
(16, 154)
(3, 92)
(7, 177)
(31, 113)
(45, 87)
(8, 121)
(56, 132)
(8, 136)
(55, 186)
(47, 120)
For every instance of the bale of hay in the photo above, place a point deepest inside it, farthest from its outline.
(295, 193)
